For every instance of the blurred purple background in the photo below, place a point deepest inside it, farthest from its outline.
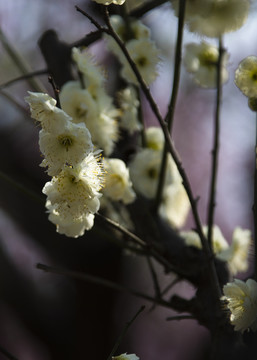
(44, 316)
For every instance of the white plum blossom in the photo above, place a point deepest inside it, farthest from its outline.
(93, 74)
(246, 76)
(175, 205)
(68, 144)
(154, 138)
(201, 60)
(145, 55)
(73, 196)
(144, 172)
(241, 299)
(213, 18)
(118, 186)
(126, 356)
(237, 253)
(142, 50)
(129, 104)
(108, 2)
(137, 31)
(219, 243)
(98, 114)
(43, 109)
(71, 228)
(78, 102)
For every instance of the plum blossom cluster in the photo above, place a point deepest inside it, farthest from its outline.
(87, 102)
(77, 174)
(143, 51)
(145, 169)
(236, 254)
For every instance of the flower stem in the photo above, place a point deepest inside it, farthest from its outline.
(24, 77)
(215, 151)
(20, 62)
(101, 281)
(171, 108)
(124, 331)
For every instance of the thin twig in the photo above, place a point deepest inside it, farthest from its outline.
(169, 286)
(88, 39)
(21, 188)
(56, 91)
(215, 151)
(124, 331)
(20, 62)
(140, 117)
(93, 21)
(171, 108)
(23, 77)
(154, 277)
(149, 248)
(102, 282)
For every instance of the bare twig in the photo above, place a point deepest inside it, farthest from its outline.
(21, 188)
(20, 62)
(170, 286)
(124, 331)
(102, 282)
(149, 248)
(215, 151)
(23, 77)
(154, 277)
(171, 108)
(56, 91)
(88, 39)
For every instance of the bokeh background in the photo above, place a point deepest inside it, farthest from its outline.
(46, 316)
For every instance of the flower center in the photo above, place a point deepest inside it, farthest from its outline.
(65, 141)
(208, 58)
(152, 173)
(141, 61)
(254, 76)
(80, 112)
